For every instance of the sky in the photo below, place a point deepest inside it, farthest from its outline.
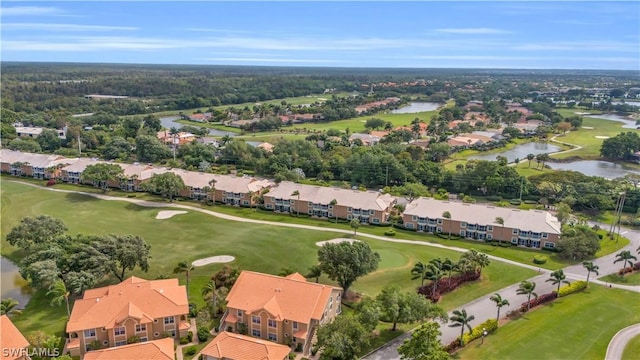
(419, 34)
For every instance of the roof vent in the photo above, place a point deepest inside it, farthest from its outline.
(97, 299)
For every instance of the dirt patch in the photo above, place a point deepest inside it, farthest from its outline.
(335, 241)
(167, 214)
(213, 260)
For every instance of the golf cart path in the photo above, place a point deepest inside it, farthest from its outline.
(574, 147)
(620, 341)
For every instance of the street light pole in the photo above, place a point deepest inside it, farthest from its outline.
(484, 334)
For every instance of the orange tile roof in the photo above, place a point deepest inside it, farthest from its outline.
(240, 347)
(11, 338)
(151, 350)
(292, 298)
(136, 298)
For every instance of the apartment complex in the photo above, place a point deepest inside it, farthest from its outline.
(285, 310)
(330, 202)
(231, 346)
(532, 229)
(14, 345)
(110, 316)
(151, 350)
(38, 166)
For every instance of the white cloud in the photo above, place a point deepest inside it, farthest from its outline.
(270, 60)
(472, 31)
(30, 11)
(63, 27)
(614, 46)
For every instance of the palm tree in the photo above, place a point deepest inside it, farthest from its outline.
(173, 132)
(625, 256)
(212, 184)
(225, 140)
(333, 203)
(297, 193)
(591, 268)
(286, 271)
(530, 157)
(527, 288)
(434, 273)
(59, 293)
(314, 272)
(447, 215)
(210, 289)
(460, 318)
(449, 266)
(477, 259)
(9, 307)
(186, 269)
(500, 302)
(418, 272)
(355, 224)
(558, 277)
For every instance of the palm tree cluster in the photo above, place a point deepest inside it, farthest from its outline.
(625, 257)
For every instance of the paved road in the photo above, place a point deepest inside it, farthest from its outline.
(620, 340)
(483, 308)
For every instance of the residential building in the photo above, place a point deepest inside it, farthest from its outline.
(34, 132)
(231, 346)
(109, 316)
(366, 139)
(14, 345)
(72, 172)
(180, 138)
(149, 350)
(38, 166)
(318, 201)
(285, 310)
(534, 229)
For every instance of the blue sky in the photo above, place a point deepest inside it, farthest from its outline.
(509, 34)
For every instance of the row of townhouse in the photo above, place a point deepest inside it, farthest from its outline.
(535, 229)
(370, 207)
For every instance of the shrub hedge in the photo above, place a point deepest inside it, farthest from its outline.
(191, 350)
(538, 301)
(572, 288)
(489, 326)
(390, 232)
(446, 285)
(539, 259)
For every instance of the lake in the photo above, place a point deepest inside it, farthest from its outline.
(628, 124)
(605, 169)
(170, 121)
(13, 285)
(520, 151)
(416, 107)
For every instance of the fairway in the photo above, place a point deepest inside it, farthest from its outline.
(632, 349)
(586, 137)
(194, 235)
(575, 327)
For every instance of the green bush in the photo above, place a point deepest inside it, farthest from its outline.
(539, 259)
(489, 326)
(190, 336)
(515, 201)
(131, 195)
(530, 202)
(133, 339)
(572, 288)
(390, 232)
(191, 350)
(494, 198)
(184, 340)
(203, 333)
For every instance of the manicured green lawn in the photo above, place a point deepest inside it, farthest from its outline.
(195, 235)
(587, 137)
(632, 349)
(629, 279)
(578, 327)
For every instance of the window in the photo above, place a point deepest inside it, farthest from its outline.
(310, 211)
(376, 221)
(269, 206)
(514, 240)
(144, 339)
(414, 218)
(119, 331)
(349, 209)
(371, 212)
(245, 202)
(330, 207)
(255, 333)
(439, 229)
(545, 235)
(272, 323)
(549, 245)
(462, 233)
(121, 343)
(292, 201)
(90, 333)
(295, 325)
(255, 319)
(141, 327)
(273, 337)
(239, 313)
(408, 226)
(463, 225)
(489, 237)
(169, 320)
(349, 217)
(330, 214)
(172, 333)
(489, 227)
(515, 232)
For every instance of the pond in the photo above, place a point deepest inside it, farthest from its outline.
(628, 123)
(13, 285)
(605, 169)
(416, 107)
(170, 121)
(520, 151)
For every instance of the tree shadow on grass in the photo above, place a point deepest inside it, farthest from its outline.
(75, 198)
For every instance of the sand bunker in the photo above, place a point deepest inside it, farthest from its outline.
(167, 214)
(601, 137)
(334, 241)
(587, 127)
(213, 260)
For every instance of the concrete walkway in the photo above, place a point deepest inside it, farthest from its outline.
(620, 340)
